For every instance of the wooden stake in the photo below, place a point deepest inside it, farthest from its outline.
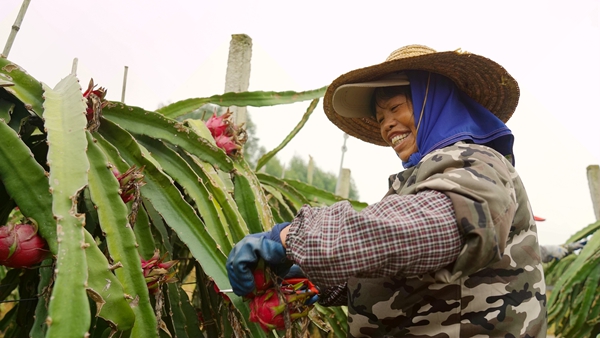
(15, 27)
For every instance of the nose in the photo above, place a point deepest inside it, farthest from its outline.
(388, 122)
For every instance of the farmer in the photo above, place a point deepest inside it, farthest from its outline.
(451, 250)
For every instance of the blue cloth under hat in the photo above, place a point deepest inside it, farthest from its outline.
(451, 116)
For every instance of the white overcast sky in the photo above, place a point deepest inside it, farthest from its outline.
(178, 49)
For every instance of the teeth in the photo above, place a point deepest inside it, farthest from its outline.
(398, 138)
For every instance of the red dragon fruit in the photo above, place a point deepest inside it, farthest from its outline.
(262, 280)
(268, 310)
(218, 124)
(156, 272)
(21, 246)
(227, 143)
(228, 136)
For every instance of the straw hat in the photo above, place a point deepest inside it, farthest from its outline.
(347, 99)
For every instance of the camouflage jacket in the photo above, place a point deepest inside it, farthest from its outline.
(496, 287)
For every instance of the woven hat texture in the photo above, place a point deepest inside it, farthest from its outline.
(482, 79)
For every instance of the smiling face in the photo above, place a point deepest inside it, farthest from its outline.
(394, 113)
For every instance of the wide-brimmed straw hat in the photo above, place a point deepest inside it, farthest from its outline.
(347, 99)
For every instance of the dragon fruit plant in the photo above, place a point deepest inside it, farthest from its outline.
(72, 161)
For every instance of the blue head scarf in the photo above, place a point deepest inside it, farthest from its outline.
(451, 116)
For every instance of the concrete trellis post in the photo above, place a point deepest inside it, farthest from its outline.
(125, 70)
(237, 78)
(310, 170)
(593, 175)
(16, 27)
(343, 182)
(74, 66)
(343, 188)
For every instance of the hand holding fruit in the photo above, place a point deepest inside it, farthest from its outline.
(245, 256)
(268, 305)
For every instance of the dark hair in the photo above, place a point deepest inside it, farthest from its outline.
(382, 94)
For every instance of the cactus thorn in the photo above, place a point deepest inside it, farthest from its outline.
(115, 266)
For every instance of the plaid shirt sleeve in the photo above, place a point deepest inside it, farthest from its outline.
(400, 235)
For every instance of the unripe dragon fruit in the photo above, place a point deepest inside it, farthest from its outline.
(21, 246)
(228, 136)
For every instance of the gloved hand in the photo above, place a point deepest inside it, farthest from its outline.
(245, 255)
(576, 245)
(553, 252)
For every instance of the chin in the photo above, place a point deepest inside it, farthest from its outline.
(403, 158)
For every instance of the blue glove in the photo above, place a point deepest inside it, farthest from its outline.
(577, 245)
(553, 252)
(245, 255)
(295, 272)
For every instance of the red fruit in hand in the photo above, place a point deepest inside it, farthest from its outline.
(262, 280)
(268, 310)
(21, 246)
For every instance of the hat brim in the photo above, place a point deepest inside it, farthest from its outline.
(482, 79)
(354, 99)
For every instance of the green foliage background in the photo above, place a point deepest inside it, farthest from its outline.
(195, 203)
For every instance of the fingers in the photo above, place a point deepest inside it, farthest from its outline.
(295, 272)
(245, 255)
(239, 263)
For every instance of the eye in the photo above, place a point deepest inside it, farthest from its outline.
(396, 106)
